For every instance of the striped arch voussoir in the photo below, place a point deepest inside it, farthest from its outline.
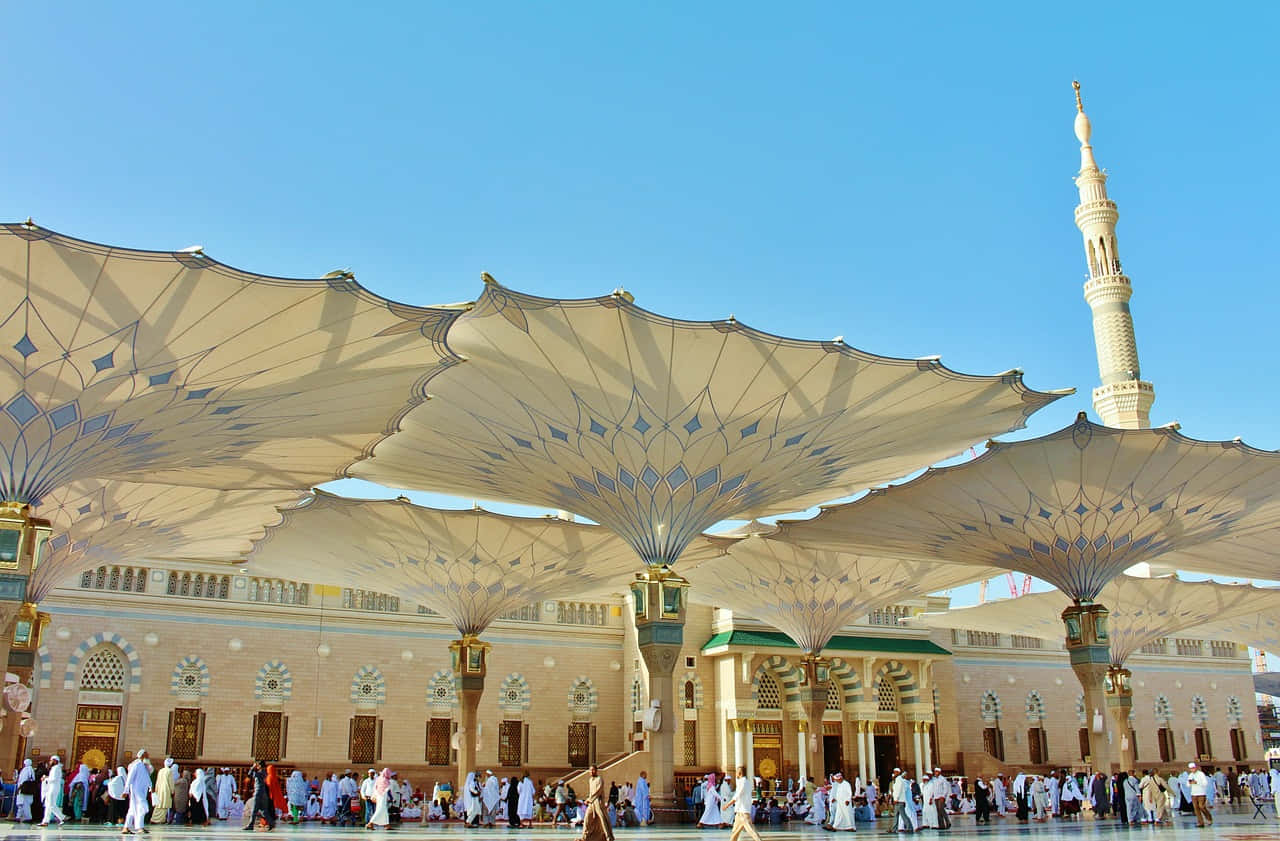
(130, 653)
(371, 675)
(175, 677)
(691, 677)
(908, 691)
(286, 679)
(583, 684)
(845, 676)
(46, 666)
(514, 695)
(788, 677)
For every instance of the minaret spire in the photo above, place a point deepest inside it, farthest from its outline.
(1124, 399)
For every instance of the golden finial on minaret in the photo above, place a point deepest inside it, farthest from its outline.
(1079, 104)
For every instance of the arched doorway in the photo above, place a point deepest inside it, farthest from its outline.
(100, 706)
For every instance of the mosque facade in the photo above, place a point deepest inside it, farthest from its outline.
(217, 667)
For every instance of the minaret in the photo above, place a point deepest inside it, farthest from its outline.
(1124, 399)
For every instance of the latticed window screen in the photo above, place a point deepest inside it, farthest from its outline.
(103, 671)
(635, 696)
(691, 743)
(510, 742)
(186, 733)
(273, 685)
(189, 682)
(270, 734)
(768, 694)
(579, 744)
(834, 699)
(689, 695)
(886, 696)
(439, 731)
(364, 739)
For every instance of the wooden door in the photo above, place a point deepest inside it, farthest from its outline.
(97, 730)
(579, 744)
(186, 733)
(270, 735)
(768, 756)
(510, 743)
(439, 732)
(363, 739)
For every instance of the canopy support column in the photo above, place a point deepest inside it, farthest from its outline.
(23, 539)
(816, 673)
(1119, 696)
(1089, 646)
(864, 770)
(659, 597)
(470, 663)
(802, 733)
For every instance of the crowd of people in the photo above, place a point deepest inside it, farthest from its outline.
(839, 804)
(165, 793)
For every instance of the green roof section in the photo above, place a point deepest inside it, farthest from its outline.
(775, 639)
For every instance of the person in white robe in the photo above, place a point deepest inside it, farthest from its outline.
(1069, 801)
(51, 793)
(524, 808)
(928, 810)
(710, 804)
(137, 787)
(644, 808)
(24, 801)
(817, 814)
(472, 805)
(1039, 798)
(726, 794)
(225, 787)
(842, 804)
(329, 799)
(1001, 790)
(491, 797)
(1055, 793)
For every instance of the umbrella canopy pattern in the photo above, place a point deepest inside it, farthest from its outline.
(122, 522)
(659, 428)
(471, 566)
(1075, 507)
(173, 368)
(810, 594)
(1142, 610)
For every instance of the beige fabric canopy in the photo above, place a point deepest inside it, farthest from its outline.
(810, 594)
(122, 522)
(1075, 507)
(1142, 610)
(471, 566)
(173, 368)
(659, 428)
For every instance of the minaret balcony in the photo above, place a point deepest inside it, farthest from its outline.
(1107, 287)
(1099, 212)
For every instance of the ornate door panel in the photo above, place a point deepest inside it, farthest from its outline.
(579, 744)
(363, 739)
(439, 731)
(186, 726)
(270, 731)
(97, 729)
(510, 744)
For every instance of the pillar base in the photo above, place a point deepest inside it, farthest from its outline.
(1119, 699)
(1089, 647)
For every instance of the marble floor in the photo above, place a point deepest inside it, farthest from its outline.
(1231, 824)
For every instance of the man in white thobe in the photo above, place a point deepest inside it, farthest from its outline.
(51, 793)
(644, 809)
(490, 797)
(525, 807)
(226, 788)
(841, 804)
(900, 790)
(741, 801)
(1002, 795)
(137, 787)
(1054, 787)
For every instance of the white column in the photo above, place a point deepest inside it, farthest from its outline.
(928, 744)
(915, 742)
(739, 744)
(801, 736)
(871, 752)
(751, 748)
(862, 753)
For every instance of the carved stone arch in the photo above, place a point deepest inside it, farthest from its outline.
(273, 683)
(189, 678)
(788, 677)
(687, 679)
(989, 707)
(514, 696)
(1199, 710)
(133, 661)
(908, 689)
(1163, 709)
(583, 699)
(1035, 707)
(442, 691)
(845, 679)
(368, 687)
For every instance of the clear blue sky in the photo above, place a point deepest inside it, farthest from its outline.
(901, 178)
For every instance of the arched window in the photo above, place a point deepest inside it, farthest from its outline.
(635, 696)
(834, 701)
(886, 696)
(114, 582)
(103, 671)
(127, 581)
(100, 581)
(768, 693)
(688, 695)
(184, 586)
